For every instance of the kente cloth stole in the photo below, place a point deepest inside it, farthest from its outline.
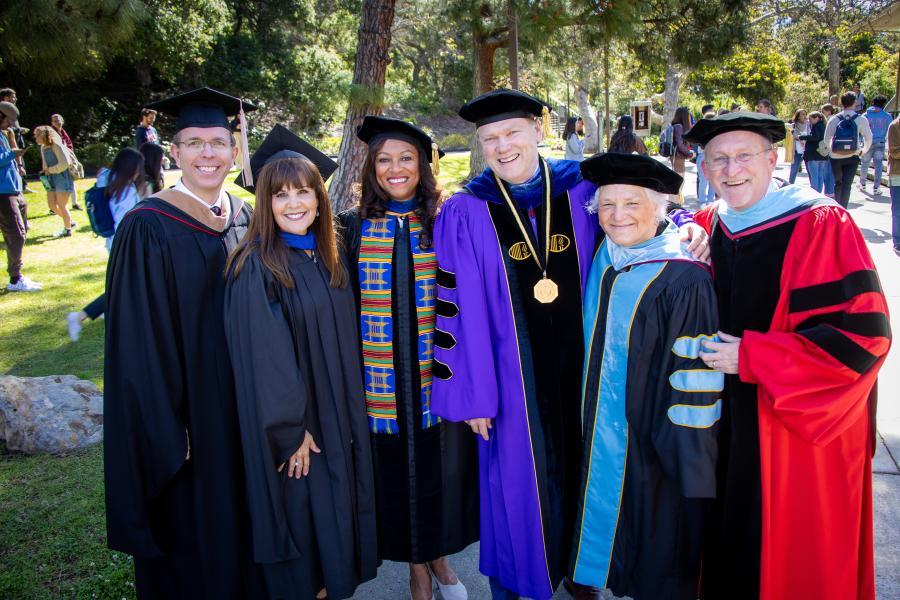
(376, 320)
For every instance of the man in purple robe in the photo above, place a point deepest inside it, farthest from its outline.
(514, 248)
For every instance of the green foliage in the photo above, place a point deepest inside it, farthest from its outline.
(455, 141)
(96, 155)
(750, 73)
(808, 92)
(652, 144)
(60, 42)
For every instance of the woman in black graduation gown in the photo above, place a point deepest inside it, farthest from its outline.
(292, 334)
(426, 476)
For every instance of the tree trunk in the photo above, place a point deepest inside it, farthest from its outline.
(834, 68)
(483, 82)
(675, 76)
(583, 101)
(513, 47)
(366, 96)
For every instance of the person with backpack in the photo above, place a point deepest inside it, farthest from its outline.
(879, 120)
(114, 194)
(842, 134)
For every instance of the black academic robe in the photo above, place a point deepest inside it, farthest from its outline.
(650, 423)
(426, 480)
(297, 370)
(172, 458)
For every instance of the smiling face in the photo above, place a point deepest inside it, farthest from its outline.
(511, 148)
(204, 154)
(627, 214)
(745, 179)
(295, 208)
(397, 169)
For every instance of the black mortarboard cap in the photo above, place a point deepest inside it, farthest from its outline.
(631, 169)
(375, 129)
(203, 107)
(281, 142)
(771, 128)
(499, 105)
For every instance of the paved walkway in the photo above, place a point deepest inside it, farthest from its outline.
(873, 215)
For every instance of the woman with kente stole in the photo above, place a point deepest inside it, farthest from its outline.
(650, 406)
(426, 476)
(294, 343)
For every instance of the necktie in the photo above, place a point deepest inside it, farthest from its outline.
(216, 210)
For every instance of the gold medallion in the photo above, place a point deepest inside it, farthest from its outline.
(546, 291)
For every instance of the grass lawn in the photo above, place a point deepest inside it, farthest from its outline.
(52, 525)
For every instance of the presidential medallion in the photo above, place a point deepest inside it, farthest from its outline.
(546, 291)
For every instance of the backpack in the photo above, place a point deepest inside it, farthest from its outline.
(666, 147)
(97, 206)
(846, 135)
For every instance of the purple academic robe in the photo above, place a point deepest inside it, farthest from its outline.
(500, 354)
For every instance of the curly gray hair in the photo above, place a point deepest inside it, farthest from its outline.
(658, 198)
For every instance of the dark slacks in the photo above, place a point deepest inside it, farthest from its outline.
(844, 170)
(14, 225)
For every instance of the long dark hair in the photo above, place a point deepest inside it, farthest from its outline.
(682, 117)
(262, 234)
(623, 140)
(153, 156)
(373, 199)
(571, 128)
(127, 168)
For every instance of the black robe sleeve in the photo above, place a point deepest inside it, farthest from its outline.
(272, 400)
(689, 404)
(145, 437)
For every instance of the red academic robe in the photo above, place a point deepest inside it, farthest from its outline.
(815, 369)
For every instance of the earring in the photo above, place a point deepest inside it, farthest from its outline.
(317, 213)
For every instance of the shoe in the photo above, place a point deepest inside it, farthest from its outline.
(23, 285)
(73, 319)
(861, 187)
(581, 592)
(76, 207)
(63, 233)
(876, 192)
(453, 591)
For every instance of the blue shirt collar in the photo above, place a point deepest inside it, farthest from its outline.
(404, 207)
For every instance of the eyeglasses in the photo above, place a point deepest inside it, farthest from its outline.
(196, 144)
(744, 158)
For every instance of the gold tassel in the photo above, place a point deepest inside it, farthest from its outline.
(435, 159)
(789, 144)
(245, 148)
(545, 122)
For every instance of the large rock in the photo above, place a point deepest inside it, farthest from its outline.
(49, 414)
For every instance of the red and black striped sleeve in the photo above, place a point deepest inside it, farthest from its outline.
(831, 331)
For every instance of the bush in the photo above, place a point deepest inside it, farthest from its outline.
(95, 156)
(330, 144)
(652, 143)
(455, 141)
(32, 158)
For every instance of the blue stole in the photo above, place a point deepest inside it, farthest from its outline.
(778, 202)
(299, 242)
(607, 445)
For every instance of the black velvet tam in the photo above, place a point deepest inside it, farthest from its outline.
(631, 169)
(375, 129)
(771, 128)
(499, 105)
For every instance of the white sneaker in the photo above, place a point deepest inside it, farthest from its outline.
(876, 192)
(73, 319)
(23, 285)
